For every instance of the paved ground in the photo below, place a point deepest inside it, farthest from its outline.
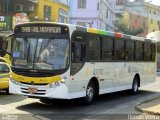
(151, 106)
(119, 106)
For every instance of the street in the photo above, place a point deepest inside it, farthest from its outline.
(117, 105)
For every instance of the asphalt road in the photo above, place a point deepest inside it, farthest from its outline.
(118, 106)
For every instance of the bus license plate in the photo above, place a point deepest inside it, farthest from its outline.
(32, 90)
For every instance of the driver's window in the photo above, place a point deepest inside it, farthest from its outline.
(78, 52)
(9, 44)
(4, 68)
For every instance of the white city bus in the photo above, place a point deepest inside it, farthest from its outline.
(156, 37)
(62, 61)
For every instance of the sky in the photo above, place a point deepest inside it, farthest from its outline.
(156, 2)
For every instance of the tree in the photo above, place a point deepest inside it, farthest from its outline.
(123, 28)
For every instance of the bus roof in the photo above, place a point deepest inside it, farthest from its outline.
(93, 30)
(154, 36)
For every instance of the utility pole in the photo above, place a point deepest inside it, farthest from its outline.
(90, 24)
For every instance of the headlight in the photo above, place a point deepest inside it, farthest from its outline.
(15, 82)
(54, 84)
(57, 83)
(62, 81)
(51, 85)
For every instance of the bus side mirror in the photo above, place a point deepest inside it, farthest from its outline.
(9, 41)
(4, 68)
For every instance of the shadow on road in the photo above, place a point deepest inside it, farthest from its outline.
(7, 99)
(75, 106)
(73, 109)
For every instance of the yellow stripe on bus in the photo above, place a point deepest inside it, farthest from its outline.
(35, 79)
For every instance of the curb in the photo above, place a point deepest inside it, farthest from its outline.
(140, 109)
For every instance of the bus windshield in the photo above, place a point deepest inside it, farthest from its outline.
(40, 53)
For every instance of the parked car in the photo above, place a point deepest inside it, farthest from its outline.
(5, 60)
(4, 76)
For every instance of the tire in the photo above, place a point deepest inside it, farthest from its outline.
(90, 94)
(46, 101)
(7, 91)
(135, 86)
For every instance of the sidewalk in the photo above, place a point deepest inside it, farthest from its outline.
(151, 106)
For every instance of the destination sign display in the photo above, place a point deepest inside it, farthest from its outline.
(46, 29)
(39, 29)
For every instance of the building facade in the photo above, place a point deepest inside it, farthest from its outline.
(13, 12)
(52, 10)
(98, 14)
(111, 14)
(153, 17)
(138, 22)
(140, 15)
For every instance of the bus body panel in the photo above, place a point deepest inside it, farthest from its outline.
(59, 92)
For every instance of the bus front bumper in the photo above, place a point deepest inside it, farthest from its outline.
(59, 91)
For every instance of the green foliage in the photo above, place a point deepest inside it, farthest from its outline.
(123, 28)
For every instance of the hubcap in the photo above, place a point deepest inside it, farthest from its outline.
(90, 93)
(135, 86)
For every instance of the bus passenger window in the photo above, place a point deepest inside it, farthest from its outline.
(107, 46)
(129, 52)
(94, 48)
(138, 51)
(78, 54)
(153, 52)
(147, 52)
(119, 50)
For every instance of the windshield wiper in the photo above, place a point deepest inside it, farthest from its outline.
(43, 47)
(49, 41)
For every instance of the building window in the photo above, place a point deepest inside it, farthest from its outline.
(19, 7)
(150, 11)
(119, 2)
(81, 24)
(154, 12)
(63, 16)
(97, 6)
(82, 4)
(47, 13)
(107, 13)
(133, 28)
(144, 24)
(0, 6)
(136, 21)
(151, 21)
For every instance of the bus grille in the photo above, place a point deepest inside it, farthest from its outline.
(39, 92)
(39, 84)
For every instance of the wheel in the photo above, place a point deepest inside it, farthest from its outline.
(135, 86)
(90, 94)
(7, 91)
(46, 101)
